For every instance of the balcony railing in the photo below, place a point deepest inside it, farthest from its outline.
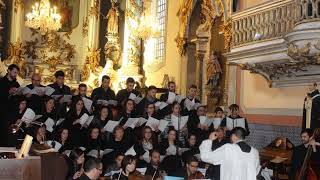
(271, 20)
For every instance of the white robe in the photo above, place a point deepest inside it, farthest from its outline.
(234, 164)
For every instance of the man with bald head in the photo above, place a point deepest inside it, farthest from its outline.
(35, 97)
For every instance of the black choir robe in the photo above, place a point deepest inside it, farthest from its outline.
(35, 101)
(102, 94)
(118, 147)
(124, 94)
(143, 104)
(315, 111)
(152, 171)
(192, 125)
(184, 110)
(224, 124)
(61, 90)
(6, 103)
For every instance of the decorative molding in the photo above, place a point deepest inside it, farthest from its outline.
(226, 29)
(17, 4)
(85, 27)
(91, 64)
(95, 9)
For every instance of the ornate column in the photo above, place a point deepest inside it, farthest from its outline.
(91, 70)
(132, 51)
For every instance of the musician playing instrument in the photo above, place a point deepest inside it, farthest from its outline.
(191, 169)
(300, 151)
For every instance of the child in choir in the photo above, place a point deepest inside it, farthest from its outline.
(190, 103)
(104, 92)
(75, 163)
(64, 140)
(149, 99)
(72, 122)
(128, 169)
(124, 94)
(115, 166)
(35, 100)
(234, 120)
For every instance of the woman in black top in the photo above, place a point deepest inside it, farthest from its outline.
(128, 169)
(75, 163)
(64, 140)
(72, 122)
(100, 120)
(127, 112)
(94, 141)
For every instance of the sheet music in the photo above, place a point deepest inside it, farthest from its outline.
(163, 105)
(152, 122)
(189, 104)
(28, 116)
(141, 121)
(216, 122)
(107, 103)
(182, 150)
(84, 118)
(175, 121)
(203, 171)
(109, 127)
(48, 90)
(60, 121)
(135, 98)
(94, 152)
(171, 97)
(131, 122)
(131, 151)
(89, 120)
(37, 90)
(56, 97)
(113, 102)
(203, 120)
(24, 90)
(142, 170)
(49, 124)
(146, 156)
(67, 152)
(162, 125)
(87, 103)
(179, 98)
(67, 98)
(56, 147)
(232, 123)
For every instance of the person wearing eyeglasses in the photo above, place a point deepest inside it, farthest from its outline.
(92, 169)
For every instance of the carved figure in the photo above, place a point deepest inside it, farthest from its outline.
(113, 18)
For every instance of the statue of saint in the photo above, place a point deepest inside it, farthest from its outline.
(113, 19)
(214, 70)
(311, 109)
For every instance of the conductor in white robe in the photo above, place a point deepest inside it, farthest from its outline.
(238, 161)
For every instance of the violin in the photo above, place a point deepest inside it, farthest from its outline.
(197, 175)
(307, 172)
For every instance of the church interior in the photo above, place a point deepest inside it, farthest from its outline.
(84, 81)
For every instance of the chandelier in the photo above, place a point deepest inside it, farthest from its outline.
(43, 18)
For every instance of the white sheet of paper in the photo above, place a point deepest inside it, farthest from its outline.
(162, 125)
(49, 124)
(142, 121)
(56, 97)
(24, 90)
(142, 170)
(182, 150)
(84, 118)
(240, 122)
(179, 98)
(67, 98)
(107, 151)
(89, 120)
(131, 122)
(135, 98)
(28, 116)
(131, 151)
(60, 121)
(109, 127)
(113, 102)
(67, 152)
(157, 104)
(146, 156)
(37, 90)
(175, 122)
(171, 97)
(189, 104)
(203, 171)
(48, 90)
(153, 122)
(57, 145)
(216, 122)
(163, 105)
(87, 103)
(94, 153)
(203, 120)
(82, 148)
